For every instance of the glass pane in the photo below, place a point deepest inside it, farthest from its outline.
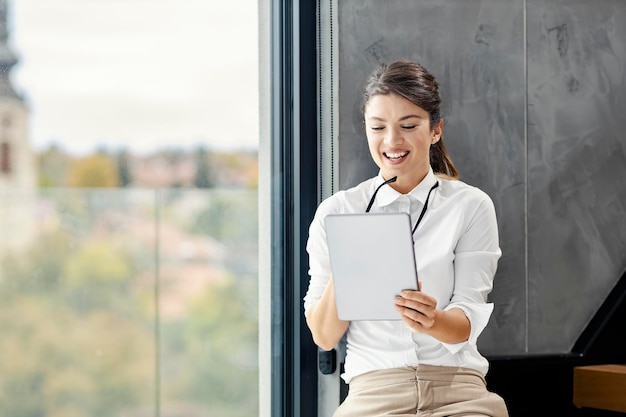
(128, 208)
(209, 303)
(112, 296)
(78, 303)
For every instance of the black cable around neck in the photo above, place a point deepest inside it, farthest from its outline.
(389, 181)
(419, 219)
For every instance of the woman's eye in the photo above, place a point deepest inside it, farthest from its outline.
(377, 128)
(408, 127)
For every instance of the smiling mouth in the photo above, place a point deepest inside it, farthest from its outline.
(395, 155)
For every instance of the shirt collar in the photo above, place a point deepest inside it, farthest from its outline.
(387, 195)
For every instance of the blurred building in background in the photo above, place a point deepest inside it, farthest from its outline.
(17, 163)
(18, 173)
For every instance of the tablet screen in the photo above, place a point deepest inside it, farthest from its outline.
(372, 259)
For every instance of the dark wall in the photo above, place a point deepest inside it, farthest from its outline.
(534, 105)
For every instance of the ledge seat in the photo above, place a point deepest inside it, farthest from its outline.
(601, 387)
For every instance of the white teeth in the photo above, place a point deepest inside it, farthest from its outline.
(395, 155)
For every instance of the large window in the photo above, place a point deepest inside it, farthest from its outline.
(129, 249)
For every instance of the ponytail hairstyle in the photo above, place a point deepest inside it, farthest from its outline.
(413, 82)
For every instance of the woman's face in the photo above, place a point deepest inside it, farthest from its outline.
(399, 137)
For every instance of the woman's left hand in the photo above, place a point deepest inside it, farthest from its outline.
(417, 309)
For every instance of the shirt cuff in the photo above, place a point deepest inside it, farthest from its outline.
(478, 315)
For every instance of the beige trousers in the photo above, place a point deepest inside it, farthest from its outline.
(424, 391)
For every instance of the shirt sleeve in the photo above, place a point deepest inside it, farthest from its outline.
(317, 249)
(476, 260)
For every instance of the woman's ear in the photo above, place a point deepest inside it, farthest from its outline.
(437, 132)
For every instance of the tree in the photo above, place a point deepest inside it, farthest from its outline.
(60, 360)
(203, 174)
(53, 167)
(96, 277)
(95, 171)
(55, 362)
(216, 350)
(123, 169)
(229, 216)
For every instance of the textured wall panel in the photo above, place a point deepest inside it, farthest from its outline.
(577, 164)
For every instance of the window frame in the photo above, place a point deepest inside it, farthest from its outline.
(292, 160)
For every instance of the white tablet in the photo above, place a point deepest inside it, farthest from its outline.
(372, 260)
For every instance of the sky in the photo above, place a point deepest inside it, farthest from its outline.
(137, 74)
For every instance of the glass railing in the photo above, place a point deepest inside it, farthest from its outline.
(128, 303)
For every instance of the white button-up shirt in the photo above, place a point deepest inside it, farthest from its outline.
(456, 251)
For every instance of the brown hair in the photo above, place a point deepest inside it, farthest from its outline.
(413, 82)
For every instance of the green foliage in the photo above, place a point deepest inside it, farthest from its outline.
(54, 362)
(53, 167)
(229, 216)
(60, 358)
(103, 169)
(203, 174)
(98, 171)
(123, 169)
(39, 270)
(218, 342)
(96, 263)
(78, 323)
(95, 276)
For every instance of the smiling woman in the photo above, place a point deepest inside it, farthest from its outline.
(432, 341)
(138, 74)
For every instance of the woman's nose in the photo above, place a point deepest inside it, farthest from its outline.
(393, 136)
